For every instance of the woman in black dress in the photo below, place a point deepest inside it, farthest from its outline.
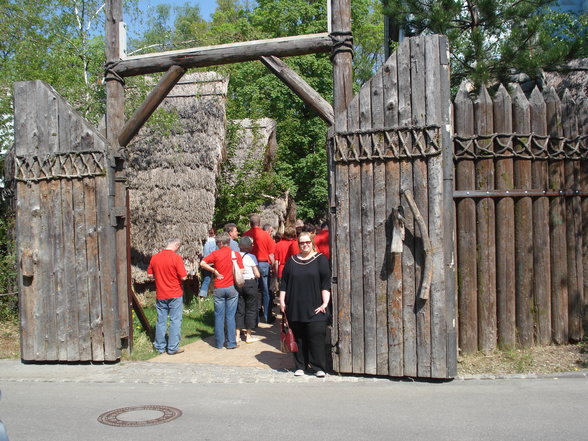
(305, 292)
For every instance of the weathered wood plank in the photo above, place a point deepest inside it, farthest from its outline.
(69, 133)
(420, 191)
(342, 270)
(582, 112)
(433, 80)
(466, 231)
(486, 237)
(449, 219)
(367, 235)
(541, 242)
(93, 262)
(225, 53)
(28, 226)
(573, 224)
(406, 183)
(380, 215)
(355, 248)
(393, 261)
(333, 220)
(523, 227)
(559, 283)
(505, 233)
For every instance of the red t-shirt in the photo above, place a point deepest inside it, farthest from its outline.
(221, 259)
(167, 268)
(321, 241)
(285, 249)
(263, 244)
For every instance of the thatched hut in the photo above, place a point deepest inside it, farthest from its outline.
(252, 148)
(172, 177)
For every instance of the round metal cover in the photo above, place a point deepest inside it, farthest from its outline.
(111, 418)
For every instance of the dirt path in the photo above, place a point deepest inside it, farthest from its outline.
(264, 353)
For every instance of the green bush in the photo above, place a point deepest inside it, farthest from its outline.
(8, 303)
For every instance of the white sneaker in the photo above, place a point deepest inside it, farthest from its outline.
(320, 374)
(299, 373)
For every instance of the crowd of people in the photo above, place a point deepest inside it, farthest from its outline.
(294, 264)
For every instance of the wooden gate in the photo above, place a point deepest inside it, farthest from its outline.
(69, 309)
(392, 219)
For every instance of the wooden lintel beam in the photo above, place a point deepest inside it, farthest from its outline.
(157, 95)
(300, 87)
(222, 54)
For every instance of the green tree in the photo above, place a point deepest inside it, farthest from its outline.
(489, 39)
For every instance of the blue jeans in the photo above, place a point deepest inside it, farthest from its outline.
(172, 308)
(225, 307)
(264, 268)
(206, 278)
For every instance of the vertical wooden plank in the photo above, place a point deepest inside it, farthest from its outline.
(486, 245)
(406, 183)
(573, 224)
(582, 112)
(334, 328)
(367, 232)
(51, 226)
(393, 261)
(449, 218)
(420, 190)
(438, 310)
(65, 290)
(93, 262)
(28, 225)
(342, 271)
(559, 287)
(356, 246)
(541, 242)
(523, 226)
(505, 234)
(466, 230)
(81, 272)
(380, 214)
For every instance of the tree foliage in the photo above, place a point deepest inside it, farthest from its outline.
(489, 39)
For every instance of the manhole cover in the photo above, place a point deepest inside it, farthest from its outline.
(112, 417)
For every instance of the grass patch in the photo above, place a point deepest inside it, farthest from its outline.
(197, 323)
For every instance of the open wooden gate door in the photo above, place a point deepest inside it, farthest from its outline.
(65, 226)
(392, 220)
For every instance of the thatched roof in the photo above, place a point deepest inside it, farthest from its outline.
(172, 179)
(574, 76)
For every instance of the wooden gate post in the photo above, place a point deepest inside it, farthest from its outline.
(114, 124)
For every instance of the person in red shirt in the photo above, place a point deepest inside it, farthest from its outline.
(226, 297)
(168, 270)
(285, 248)
(321, 240)
(264, 249)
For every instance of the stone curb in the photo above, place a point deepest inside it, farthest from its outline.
(181, 373)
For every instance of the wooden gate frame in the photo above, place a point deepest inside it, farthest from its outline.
(174, 63)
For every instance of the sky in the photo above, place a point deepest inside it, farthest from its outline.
(207, 7)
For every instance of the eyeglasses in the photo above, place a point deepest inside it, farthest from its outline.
(308, 242)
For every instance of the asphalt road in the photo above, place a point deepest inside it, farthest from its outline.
(59, 409)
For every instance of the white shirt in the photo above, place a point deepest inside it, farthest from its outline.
(249, 261)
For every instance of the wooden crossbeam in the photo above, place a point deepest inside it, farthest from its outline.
(222, 54)
(157, 95)
(300, 87)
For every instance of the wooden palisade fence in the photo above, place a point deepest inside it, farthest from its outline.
(521, 187)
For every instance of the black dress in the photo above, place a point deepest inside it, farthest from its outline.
(303, 281)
